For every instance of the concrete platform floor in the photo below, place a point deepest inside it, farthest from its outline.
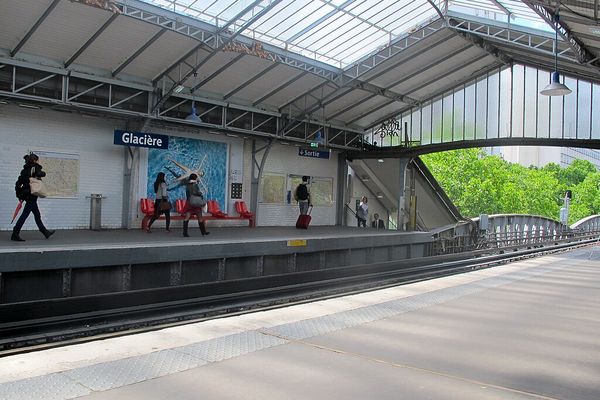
(135, 237)
(525, 330)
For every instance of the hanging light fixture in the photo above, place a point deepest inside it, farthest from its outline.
(193, 117)
(555, 88)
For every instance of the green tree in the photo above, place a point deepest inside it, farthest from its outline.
(483, 184)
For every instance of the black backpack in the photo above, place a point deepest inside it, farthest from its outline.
(302, 192)
(21, 189)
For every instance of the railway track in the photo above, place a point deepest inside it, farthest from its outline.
(34, 326)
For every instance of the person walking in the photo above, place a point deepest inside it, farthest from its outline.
(161, 202)
(302, 196)
(31, 169)
(193, 205)
(362, 213)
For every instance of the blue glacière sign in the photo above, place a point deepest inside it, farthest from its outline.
(141, 139)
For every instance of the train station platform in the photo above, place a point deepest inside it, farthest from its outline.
(524, 330)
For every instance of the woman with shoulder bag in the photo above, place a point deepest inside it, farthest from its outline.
(194, 203)
(161, 203)
(31, 172)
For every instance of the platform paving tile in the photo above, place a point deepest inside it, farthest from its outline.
(114, 374)
(347, 319)
(47, 387)
(231, 346)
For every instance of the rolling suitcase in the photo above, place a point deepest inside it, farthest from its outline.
(304, 220)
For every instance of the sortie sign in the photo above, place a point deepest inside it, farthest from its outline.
(313, 153)
(141, 139)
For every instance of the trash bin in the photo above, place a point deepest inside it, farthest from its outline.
(96, 211)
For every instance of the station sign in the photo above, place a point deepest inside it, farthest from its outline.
(141, 139)
(313, 153)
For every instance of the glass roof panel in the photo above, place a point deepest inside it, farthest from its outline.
(340, 32)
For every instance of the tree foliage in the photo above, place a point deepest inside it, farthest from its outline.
(482, 184)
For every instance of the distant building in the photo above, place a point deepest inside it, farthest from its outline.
(540, 156)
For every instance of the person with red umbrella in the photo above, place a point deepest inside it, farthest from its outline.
(31, 169)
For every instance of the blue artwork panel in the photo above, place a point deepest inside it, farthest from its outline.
(187, 156)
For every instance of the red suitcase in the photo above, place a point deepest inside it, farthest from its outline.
(304, 220)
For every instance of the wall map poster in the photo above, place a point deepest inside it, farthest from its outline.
(185, 156)
(62, 173)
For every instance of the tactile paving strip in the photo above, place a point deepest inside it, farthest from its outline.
(47, 387)
(347, 319)
(114, 374)
(226, 347)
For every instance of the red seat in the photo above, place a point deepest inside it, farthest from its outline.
(242, 209)
(214, 210)
(180, 206)
(147, 206)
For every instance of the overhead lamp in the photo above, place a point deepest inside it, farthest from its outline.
(555, 88)
(193, 117)
(179, 88)
(380, 195)
(380, 160)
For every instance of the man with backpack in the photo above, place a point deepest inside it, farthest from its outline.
(302, 196)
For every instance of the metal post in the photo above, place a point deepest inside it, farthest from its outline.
(402, 200)
(342, 173)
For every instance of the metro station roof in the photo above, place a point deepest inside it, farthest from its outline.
(344, 62)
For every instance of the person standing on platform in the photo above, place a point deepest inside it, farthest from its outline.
(194, 203)
(302, 196)
(31, 169)
(161, 203)
(377, 223)
(362, 213)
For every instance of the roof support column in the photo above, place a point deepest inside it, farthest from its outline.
(402, 217)
(257, 170)
(342, 189)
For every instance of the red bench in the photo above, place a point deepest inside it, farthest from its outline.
(147, 207)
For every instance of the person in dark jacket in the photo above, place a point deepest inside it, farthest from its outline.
(192, 189)
(161, 203)
(31, 169)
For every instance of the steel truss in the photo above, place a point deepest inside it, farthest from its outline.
(33, 83)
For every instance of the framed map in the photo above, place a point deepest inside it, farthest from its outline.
(62, 173)
(272, 188)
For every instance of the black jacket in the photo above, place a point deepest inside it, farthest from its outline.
(22, 188)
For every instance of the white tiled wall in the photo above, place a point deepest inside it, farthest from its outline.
(285, 160)
(100, 163)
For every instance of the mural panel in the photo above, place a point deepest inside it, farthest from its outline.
(185, 156)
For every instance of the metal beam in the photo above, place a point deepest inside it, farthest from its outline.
(253, 79)
(437, 9)
(216, 73)
(484, 45)
(220, 47)
(180, 61)
(351, 106)
(90, 40)
(502, 8)
(319, 21)
(139, 51)
(279, 88)
(35, 26)
(548, 15)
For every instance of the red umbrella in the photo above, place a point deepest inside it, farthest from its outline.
(17, 211)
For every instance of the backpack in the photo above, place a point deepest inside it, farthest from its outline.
(302, 192)
(21, 189)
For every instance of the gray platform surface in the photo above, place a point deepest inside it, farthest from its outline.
(136, 237)
(531, 333)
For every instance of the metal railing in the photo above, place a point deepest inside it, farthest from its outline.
(509, 230)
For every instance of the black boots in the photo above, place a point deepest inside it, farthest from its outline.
(47, 233)
(202, 226)
(15, 237)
